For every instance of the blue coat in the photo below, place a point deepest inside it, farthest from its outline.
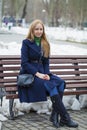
(31, 52)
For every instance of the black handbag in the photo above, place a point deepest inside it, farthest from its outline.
(25, 80)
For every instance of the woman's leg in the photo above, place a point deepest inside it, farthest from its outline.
(59, 107)
(54, 91)
(61, 92)
(61, 89)
(54, 115)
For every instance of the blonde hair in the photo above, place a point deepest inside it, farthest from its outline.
(44, 42)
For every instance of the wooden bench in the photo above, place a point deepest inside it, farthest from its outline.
(73, 69)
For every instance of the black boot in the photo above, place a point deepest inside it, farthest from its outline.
(66, 120)
(59, 107)
(54, 116)
(54, 119)
(61, 95)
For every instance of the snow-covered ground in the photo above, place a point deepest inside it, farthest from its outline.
(58, 33)
(54, 34)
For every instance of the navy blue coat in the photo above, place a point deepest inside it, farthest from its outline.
(30, 52)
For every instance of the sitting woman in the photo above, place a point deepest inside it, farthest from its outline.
(35, 54)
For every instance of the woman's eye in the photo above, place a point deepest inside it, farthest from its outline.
(38, 29)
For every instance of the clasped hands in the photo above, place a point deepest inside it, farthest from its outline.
(43, 76)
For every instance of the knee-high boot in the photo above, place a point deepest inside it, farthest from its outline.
(58, 106)
(54, 116)
(61, 95)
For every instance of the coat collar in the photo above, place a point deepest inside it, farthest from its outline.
(33, 45)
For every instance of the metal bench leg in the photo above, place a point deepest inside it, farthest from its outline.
(77, 97)
(2, 94)
(1, 101)
(11, 101)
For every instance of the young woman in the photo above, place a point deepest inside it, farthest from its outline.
(35, 54)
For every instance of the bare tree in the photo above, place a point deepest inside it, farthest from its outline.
(24, 9)
(52, 8)
(53, 12)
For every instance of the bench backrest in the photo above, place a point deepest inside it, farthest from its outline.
(73, 69)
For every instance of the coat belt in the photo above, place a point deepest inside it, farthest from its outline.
(36, 61)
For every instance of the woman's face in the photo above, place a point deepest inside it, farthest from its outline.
(38, 30)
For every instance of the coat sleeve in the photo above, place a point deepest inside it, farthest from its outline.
(25, 59)
(46, 65)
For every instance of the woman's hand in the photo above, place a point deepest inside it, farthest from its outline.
(47, 77)
(42, 76)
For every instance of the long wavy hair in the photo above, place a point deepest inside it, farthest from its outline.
(44, 42)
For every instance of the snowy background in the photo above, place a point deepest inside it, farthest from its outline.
(54, 34)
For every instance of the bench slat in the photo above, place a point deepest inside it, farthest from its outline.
(68, 67)
(10, 74)
(9, 62)
(76, 92)
(8, 80)
(17, 68)
(68, 72)
(15, 73)
(59, 61)
(8, 89)
(74, 77)
(69, 86)
(14, 96)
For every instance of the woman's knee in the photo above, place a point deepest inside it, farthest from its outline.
(62, 86)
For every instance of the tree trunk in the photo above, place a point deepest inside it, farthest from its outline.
(24, 9)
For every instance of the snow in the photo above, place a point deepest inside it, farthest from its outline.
(61, 34)
(68, 34)
(53, 33)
